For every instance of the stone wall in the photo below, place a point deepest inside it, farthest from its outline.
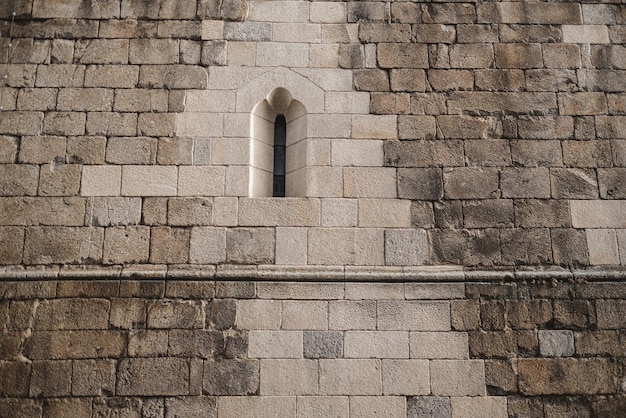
(179, 348)
(452, 243)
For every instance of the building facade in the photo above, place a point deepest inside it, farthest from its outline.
(274, 208)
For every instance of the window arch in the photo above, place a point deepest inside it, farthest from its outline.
(278, 132)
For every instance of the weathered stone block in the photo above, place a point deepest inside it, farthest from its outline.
(428, 406)
(405, 247)
(350, 377)
(488, 213)
(525, 182)
(62, 245)
(153, 377)
(250, 245)
(533, 153)
(126, 245)
(93, 378)
(475, 407)
(191, 407)
(11, 245)
(573, 183)
(371, 80)
(59, 180)
(470, 183)
(15, 379)
(473, 247)
(457, 378)
(175, 314)
(51, 378)
(420, 183)
(169, 245)
(471, 55)
(201, 344)
(531, 213)
(556, 343)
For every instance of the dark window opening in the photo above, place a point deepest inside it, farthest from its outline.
(280, 140)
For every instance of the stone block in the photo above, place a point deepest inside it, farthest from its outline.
(148, 180)
(339, 212)
(153, 377)
(573, 183)
(11, 245)
(262, 406)
(323, 406)
(488, 153)
(350, 377)
(457, 377)
(231, 377)
(488, 213)
(376, 344)
(420, 183)
(111, 124)
(140, 100)
(591, 103)
(289, 377)
(15, 379)
(18, 180)
(250, 245)
(401, 55)
(201, 181)
(148, 343)
(86, 150)
(349, 315)
(439, 345)
(275, 344)
(127, 313)
(50, 379)
(371, 80)
(169, 245)
(369, 182)
(346, 246)
(189, 211)
(523, 314)
(531, 213)
(322, 344)
(585, 34)
(304, 315)
(499, 79)
(59, 180)
(175, 314)
(565, 376)
(173, 77)
(471, 183)
(472, 55)
(406, 247)
(465, 315)
(279, 212)
(126, 245)
(207, 245)
(556, 343)
(61, 123)
(475, 407)
(423, 153)
(569, 247)
(93, 378)
(528, 55)
(524, 246)
(602, 246)
(47, 245)
(390, 103)
(36, 99)
(428, 406)
(413, 316)
(473, 247)
(611, 183)
(534, 153)
(259, 314)
(525, 182)
(606, 214)
(372, 406)
(405, 377)
(191, 407)
(101, 181)
(8, 149)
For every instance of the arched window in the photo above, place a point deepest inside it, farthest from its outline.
(278, 146)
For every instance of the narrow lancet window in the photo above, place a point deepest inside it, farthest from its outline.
(280, 140)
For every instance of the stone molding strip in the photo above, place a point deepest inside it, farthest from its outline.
(311, 273)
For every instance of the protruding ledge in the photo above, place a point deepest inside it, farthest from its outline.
(444, 273)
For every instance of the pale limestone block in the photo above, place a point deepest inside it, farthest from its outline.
(209, 101)
(288, 377)
(256, 406)
(291, 246)
(347, 102)
(297, 32)
(101, 180)
(406, 247)
(346, 246)
(598, 213)
(376, 344)
(414, 316)
(92, 99)
(321, 181)
(262, 130)
(269, 54)
(434, 290)
(457, 378)
(201, 181)
(313, 152)
(324, 56)
(585, 34)
(384, 213)
(602, 246)
(212, 30)
(199, 124)
(305, 315)
(339, 212)
(293, 290)
(140, 100)
(350, 377)
(329, 79)
(323, 406)
(202, 151)
(258, 314)
(260, 183)
(328, 12)
(556, 343)
(237, 181)
(369, 182)
(360, 153)
(479, 407)
(262, 156)
(228, 78)
(439, 345)
(149, 180)
(225, 211)
(375, 126)
(406, 377)
(112, 211)
(207, 245)
(237, 125)
(375, 291)
(279, 212)
(378, 406)
(262, 81)
(352, 315)
(241, 53)
(344, 33)
(284, 11)
(230, 151)
(370, 56)
(275, 344)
